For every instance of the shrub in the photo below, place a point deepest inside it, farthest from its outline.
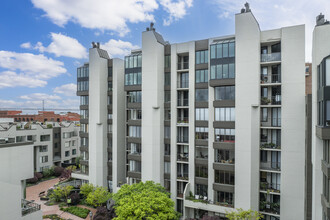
(101, 214)
(48, 172)
(75, 198)
(38, 175)
(72, 168)
(77, 211)
(49, 126)
(98, 197)
(32, 180)
(87, 188)
(53, 217)
(61, 193)
(58, 171)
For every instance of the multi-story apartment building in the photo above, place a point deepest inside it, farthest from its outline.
(219, 120)
(16, 166)
(320, 119)
(54, 144)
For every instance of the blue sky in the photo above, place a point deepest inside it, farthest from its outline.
(42, 42)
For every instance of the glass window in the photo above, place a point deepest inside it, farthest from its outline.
(134, 96)
(198, 57)
(219, 50)
(224, 114)
(134, 131)
(202, 95)
(140, 61)
(327, 72)
(202, 114)
(167, 61)
(232, 49)
(167, 79)
(328, 110)
(167, 96)
(202, 76)
(225, 93)
(225, 50)
(224, 135)
(213, 48)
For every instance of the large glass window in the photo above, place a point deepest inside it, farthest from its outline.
(224, 135)
(223, 71)
(167, 81)
(134, 96)
(225, 93)
(134, 131)
(223, 49)
(167, 61)
(202, 76)
(134, 114)
(167, 96)
(82, 72)
(84, 100)
(202, 114)
(134, 166)
(133, 79)
(202, 95)
(82, 85)
(133, 61)
(201, 171)
(225, 114)
(167, 132)
(84, 114)
(224, 156)
(202, 133)
(201, 190)
(224, 177)
(202, 56)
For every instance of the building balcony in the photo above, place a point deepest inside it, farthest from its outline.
(183, 176)
(56, 158)
(182, 139)
(183, 157)
(271, 122)
(183, 121)
(274, 100)
(269, 207)
(271, 57)
(183, 102)
(270, 187)
(183, 65)
(264, 144)
(29, 207)
(272, 166)
(272, 79)
(182, 84)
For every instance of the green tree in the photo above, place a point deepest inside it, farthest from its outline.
(98, 197)
(87, 188)
(241, 214)
(60, 193)
(144, 201)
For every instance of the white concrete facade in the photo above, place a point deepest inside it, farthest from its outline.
(16, 166)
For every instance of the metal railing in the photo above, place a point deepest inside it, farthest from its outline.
(271, 57)
(183, 120)
(270, 165)
(183, 157)
(274, 78)
(270, 186)
(276, 100)
(182, 176)
(183, 65)
(183, 102)
(182, 139)
(270, 145)
(183, 84)
(29, 207)
(269, 207)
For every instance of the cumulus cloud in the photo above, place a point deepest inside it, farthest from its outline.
(62, 45)
(67, 89)
(175, 9)
(118, 47)
(26, 45)
(279, 13)
(28, 64)
(13, 79)
(98, 14)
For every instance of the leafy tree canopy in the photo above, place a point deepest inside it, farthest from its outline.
(241, 214)
(144, 201)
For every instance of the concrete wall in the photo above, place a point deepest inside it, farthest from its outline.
(16, 165)
(321, 49)
(247, 99)
(152, 166)
(98, 142)
(118, 125)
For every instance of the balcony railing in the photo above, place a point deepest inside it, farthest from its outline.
(204, 199)
(182, 139)
(269, 207)
(270, 145)
(272, 57)
(183, 157)
(183, 84)
(183, 102)
(182, 176)
(270, 165)
(275, 100)
(183, 65)
(274, 78)
(270, 187)
(184, 120)
(219, 160)
(29, 207)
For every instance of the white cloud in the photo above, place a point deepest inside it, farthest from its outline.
(175, 9)
(118, 47)
(63, 45)
(39, 96)
(26, 45)
(67, 89)
(37, 67)
(12, 79)
(98, 14)
(279, 13)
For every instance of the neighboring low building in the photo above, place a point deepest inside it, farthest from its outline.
(54, 143)
(42, 116)
(16, 165)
